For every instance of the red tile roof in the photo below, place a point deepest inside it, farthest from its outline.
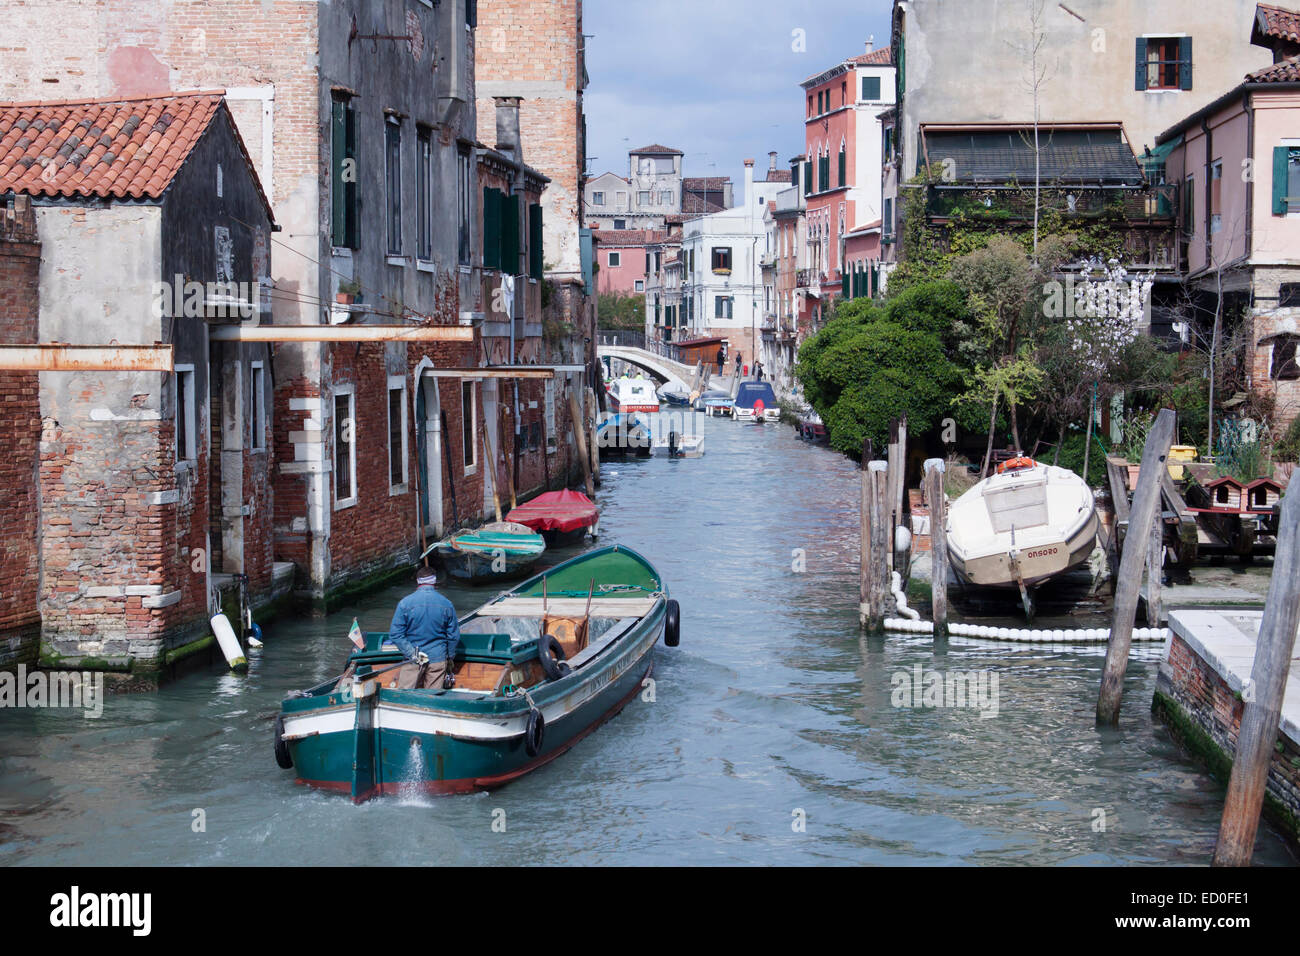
(125, 149)
(778, 176)
(628, 237)
(1277, 22)
(656, 150)
(882, 57)
(701, 183)
(1288, 71)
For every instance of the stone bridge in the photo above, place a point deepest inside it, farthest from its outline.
(657, 365)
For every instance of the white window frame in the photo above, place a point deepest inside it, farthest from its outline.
(598, 197)
(639, 285)
(257, 405)
(615, 260)
(184, 383)
(470, 469)
(350, 393)
(398, 383)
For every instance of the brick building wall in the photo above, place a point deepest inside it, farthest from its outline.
(1269, 320)
(20, 431)
(1205, 713)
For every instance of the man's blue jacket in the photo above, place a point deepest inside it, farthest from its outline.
(425, 621)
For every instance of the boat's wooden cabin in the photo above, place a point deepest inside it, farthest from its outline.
(1262, 494)
(1226, 494)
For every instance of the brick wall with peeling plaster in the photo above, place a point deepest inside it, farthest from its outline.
(20, 432)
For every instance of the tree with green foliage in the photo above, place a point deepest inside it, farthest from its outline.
(618, 310)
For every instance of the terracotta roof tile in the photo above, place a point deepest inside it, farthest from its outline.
(882, 57)
(124, 149)
(1288, 71)
(656, 149)
(1277, 22)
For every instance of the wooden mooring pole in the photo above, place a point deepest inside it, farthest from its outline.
(934, 493)
(864, 543)
(1263, 695)
(1146, 509)
(877, 558)
(580, 436)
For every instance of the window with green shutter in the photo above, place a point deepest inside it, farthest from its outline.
(871, 87)
(343, 175)
(843, 166)
(535, 241)
(491, 228)
(1286, 180)
(807, 178)
(844, 282)
(510, 233)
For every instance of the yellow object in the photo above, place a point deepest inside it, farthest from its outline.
(1182, 453)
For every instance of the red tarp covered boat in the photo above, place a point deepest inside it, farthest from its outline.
(558, 515)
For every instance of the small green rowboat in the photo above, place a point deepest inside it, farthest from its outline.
(538, 668)
(495, 552)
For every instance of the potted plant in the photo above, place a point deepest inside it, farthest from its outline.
(349, 292)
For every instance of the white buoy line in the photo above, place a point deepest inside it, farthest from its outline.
(1085, 635)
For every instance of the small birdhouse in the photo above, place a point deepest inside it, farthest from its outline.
(1227, 494)
(1262, 494)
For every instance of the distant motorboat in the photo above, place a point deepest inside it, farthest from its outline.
(629, 395)
(623, 434)
(676, 445)
(561, 517)
(715, 402)
(674, 392)
(756, 395)
(1022, 526)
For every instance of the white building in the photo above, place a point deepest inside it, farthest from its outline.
(722, 253)
(651, 191)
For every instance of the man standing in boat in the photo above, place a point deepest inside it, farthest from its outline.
(426, 631)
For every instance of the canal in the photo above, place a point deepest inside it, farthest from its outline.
(775, 735)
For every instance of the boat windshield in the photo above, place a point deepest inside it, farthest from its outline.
(1019, 503)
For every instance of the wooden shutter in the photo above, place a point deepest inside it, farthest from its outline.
(1185, 63)
(1281, 164)
(491, 228)
(807, 178)
(1140, 77)
(844, 281)
(338, 194)
(535, 240)
(843, 165)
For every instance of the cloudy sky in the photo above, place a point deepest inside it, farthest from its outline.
(717, 79)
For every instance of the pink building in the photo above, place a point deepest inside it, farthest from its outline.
(843, 145)
(1241, 233)
(621, 255)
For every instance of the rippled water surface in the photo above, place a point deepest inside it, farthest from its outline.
(774, 710)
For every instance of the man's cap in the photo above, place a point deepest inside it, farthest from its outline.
(426, 576)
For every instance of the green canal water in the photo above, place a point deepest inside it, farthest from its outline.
(773, 738)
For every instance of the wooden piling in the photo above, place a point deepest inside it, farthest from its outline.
(934, 472)
(864, 542)
(878, 558)
(1257, 736)
(897, 467)
(580, 436)
(1155, 564)
(490, 460)
(1145, 509)
(592, 410)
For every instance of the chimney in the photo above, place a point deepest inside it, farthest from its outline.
(771, 164)
(507, 110)
(749, 185)
(871, 42)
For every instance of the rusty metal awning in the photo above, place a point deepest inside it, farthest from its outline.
(341, 333)
(86, 358)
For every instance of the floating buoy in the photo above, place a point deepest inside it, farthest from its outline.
(255, 638)
(229, 643)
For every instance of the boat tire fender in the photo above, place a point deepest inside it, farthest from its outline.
(672, 624)
(551, 656)
(283, 758)
(534, 732)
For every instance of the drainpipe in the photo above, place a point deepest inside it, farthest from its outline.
(1209, 187)
(1249, 110)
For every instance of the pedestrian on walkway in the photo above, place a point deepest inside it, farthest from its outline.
(721, 358)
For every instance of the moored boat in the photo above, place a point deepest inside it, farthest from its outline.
(623, 434)
(496, 551)
(1022, 526)
(561, 517)
(677, 445)
(674, 392)
(537, 669)
(755, 401)
(632, 395)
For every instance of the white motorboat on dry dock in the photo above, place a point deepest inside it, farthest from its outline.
(1021, 527)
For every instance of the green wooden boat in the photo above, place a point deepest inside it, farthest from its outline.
(496, 552)
(538, 668)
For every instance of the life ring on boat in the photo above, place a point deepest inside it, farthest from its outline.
(283, 758)
(1016, 464)
(534, 732)
(672, 624)
(551, 656)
